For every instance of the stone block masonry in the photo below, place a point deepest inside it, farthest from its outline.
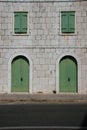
(44, 45)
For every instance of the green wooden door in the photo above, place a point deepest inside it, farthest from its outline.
(68, 75)
(20, 75)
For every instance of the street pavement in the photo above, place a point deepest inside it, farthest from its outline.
(43, 116)
(51, 98)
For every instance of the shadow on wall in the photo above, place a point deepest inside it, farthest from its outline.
(84, 123)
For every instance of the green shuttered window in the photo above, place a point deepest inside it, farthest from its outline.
(20, 22)
(68, 22)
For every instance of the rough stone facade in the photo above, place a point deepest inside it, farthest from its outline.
(44, 45)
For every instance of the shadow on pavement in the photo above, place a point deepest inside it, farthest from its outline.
(84, 123)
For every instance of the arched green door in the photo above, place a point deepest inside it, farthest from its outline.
(68, 75)
(20, 75)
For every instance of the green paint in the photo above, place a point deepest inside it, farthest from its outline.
(20, 22)
(72, 22)
(17, 22)
(23, 23)
(20, 75)
(64, 20)
(68, 21)
(68, 75)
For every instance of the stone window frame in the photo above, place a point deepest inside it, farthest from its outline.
(21, 34)
(68, 34)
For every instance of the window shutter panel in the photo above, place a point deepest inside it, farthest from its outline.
(24, 22)
(16, 22)
(64, 22)
(72, 22)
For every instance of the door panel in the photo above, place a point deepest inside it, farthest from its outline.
(68, 75)
(20, 75)
(24, 75)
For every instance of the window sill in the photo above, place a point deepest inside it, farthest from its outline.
(68, 34)
(27, 34)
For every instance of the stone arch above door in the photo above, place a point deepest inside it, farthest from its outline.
(68, 75)
(78, 69)
(20, 74)
(28, 58)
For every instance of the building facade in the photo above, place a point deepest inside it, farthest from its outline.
(43, 46)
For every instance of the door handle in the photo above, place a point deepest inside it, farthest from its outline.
(21, 79)
(68, 79)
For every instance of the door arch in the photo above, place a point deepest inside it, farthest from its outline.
(20, 74)
(68, 74)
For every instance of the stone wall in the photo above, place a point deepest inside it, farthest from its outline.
(44, 45)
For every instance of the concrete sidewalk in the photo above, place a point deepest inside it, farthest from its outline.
(44, 98)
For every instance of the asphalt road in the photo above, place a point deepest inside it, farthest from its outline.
(43, 116)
